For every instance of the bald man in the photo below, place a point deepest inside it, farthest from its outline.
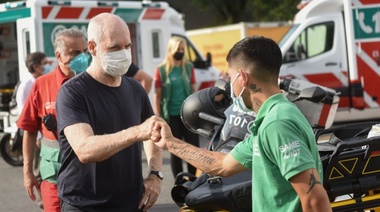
(102, 117)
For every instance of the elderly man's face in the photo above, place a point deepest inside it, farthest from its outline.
(116, 37)
(73, 46)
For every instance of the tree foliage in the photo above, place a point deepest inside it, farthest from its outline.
(234, 11)
(226, 11)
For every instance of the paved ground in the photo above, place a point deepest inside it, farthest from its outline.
(165, 202)
(14, 199)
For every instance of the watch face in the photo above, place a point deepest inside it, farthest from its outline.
(160, 175)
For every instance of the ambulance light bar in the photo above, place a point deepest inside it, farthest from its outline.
(111, 4)
(13, 5)
(59, 2)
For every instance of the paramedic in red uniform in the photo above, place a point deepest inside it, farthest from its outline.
(70, 48)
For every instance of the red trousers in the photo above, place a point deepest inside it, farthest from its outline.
(49, 194)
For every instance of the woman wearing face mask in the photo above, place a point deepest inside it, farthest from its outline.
(174, 82)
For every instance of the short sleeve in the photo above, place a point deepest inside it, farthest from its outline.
(70, 108)
(242, 152)
(192, 80)
(157, 78)
(132, 70)
(29, 119)
(22, 95)
(286, 146)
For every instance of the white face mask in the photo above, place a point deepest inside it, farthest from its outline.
(117, 63)
(238, 101)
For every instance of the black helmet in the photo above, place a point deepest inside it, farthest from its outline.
(204, 109)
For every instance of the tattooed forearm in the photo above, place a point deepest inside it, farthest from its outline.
(196, 154)
(202, 159)
(313, 181)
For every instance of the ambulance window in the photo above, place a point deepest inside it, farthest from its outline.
(191, 54)
(27, 42)
(319, 38)
(156, 44)
(313, 41)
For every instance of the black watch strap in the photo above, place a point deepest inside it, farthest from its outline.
(158, 174)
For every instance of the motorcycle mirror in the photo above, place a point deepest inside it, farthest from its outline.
(313, 94)
(211, 118)
(222, 84)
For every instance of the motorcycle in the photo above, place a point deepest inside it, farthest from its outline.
(11, 139)
(225, 125)
(11, 145)
(350, 159)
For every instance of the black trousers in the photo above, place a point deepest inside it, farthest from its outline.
(180, 131)
(69, 208)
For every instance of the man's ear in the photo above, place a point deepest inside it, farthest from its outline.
(244, 77)
(91, 47)
(58, 56)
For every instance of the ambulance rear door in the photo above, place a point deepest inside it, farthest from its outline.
(27, 42)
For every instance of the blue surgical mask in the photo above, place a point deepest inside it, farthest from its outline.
(46, 68)
(79, 63)
(238, 101)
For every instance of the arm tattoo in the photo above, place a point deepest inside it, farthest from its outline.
(204, 159)
(313, 181)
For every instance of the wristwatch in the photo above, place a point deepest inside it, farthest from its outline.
(158, 174)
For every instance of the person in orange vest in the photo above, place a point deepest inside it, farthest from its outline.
(39, 114)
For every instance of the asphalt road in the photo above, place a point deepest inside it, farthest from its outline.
(13, 197)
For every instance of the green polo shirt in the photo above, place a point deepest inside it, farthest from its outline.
(281, 145)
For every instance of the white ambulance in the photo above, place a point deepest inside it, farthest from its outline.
(29, 26)
(336, 44)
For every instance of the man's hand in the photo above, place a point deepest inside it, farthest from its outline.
(161, 134)
(28, 151)
(145, 129)
(152, 189)
(30, 181)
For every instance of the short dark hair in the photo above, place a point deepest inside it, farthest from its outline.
(34, 59)
(260, 55)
